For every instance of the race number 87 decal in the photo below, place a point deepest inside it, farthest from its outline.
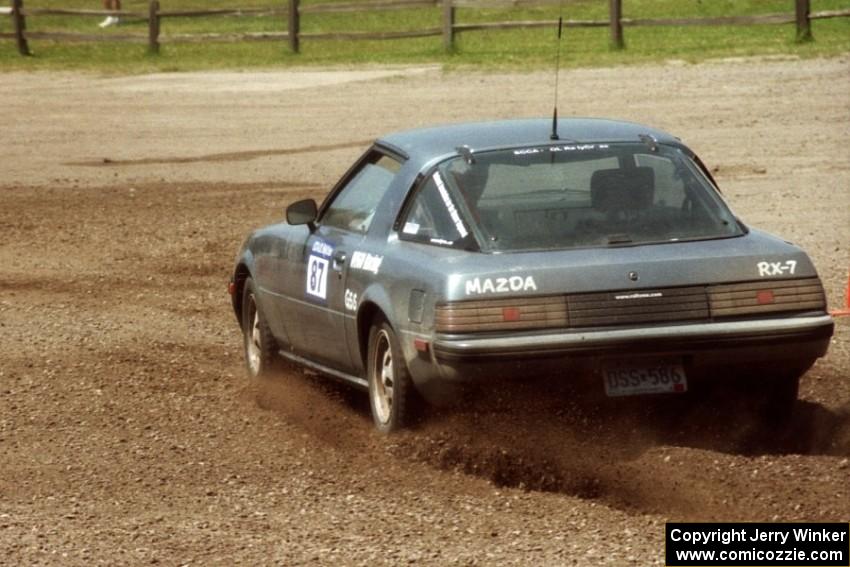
(317, 276)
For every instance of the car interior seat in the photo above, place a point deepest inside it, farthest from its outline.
(622, 194)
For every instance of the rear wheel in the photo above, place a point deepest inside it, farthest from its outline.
(392, 396)
(259, 343)
(771, 393)
(775, 404)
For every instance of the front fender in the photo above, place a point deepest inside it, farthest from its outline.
(243, 268)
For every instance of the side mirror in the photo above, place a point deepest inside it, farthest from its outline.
(302, 212)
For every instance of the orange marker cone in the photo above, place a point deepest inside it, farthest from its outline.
(846, 311)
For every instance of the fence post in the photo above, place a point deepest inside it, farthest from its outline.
(615, 9)
(804, 24)
(20, 27)
(294, 26)
(153, 27)
(448, 25)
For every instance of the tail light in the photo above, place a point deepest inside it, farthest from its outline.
(606, 309)
(776, 296)
(502, 314)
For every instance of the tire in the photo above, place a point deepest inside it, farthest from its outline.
(776, 407)
(771, 393)
(392, 395)
(257, 339)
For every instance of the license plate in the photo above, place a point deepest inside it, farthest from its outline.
(644, 376)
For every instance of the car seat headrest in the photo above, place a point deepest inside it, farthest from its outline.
(622, 189)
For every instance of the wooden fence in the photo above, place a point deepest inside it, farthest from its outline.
(293, 11)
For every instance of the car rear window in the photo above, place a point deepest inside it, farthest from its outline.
(584, 195)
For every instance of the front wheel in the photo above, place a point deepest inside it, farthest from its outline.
(259, 343)
(392, 395)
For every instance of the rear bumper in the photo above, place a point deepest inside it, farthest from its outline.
(707, 351)
(796, 337)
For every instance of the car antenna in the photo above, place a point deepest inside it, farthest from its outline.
(554, 134)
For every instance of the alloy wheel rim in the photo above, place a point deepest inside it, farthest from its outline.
(383, 378)
(252, 342)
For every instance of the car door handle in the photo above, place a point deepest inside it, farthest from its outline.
(339, 259)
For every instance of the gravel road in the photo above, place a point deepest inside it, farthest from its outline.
(130, 435)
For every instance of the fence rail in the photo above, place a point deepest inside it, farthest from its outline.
(368, 6)
(802, 17)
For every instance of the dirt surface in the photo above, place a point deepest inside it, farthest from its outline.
(130, 435)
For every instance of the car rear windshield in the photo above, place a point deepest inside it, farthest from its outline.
(586, 195)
